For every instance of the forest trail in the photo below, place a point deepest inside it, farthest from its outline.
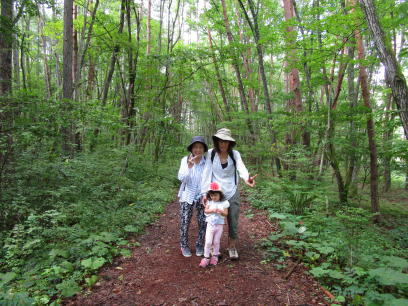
(157, 273)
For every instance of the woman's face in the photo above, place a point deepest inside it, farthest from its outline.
(197, 149)
(223, 145)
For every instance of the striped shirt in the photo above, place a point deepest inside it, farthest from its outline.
(190, 189)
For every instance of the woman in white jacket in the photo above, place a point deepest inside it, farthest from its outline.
(190, 173)
(223, 165)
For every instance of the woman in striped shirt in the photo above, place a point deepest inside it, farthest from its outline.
(190, 173)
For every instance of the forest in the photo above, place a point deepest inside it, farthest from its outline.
(99, 99)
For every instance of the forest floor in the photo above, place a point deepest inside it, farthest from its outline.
(157, 273)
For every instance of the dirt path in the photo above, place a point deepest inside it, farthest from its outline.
(157, 273)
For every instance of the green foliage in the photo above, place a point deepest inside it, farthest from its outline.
(75, 220)
(357, 260)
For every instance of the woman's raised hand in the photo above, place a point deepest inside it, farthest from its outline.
(193, 160)
(251, 180)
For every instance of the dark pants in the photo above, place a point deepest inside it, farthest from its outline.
(186, 212)
(233, 214)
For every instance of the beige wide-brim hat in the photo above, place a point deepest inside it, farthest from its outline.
(224, 134)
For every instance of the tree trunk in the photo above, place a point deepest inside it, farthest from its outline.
(115, 52)
(247, 69)
(23, 63)
(6, 46)
(241, 90)
(387, 143)
(16, 61)
(67, 85)
(159, 38)
(255, 31)
(91, 78)
(47, 75)
(84, 47)
(219, 80)
(6, 114)
(294, 81)
(393, 73)
(148, 27)
(75, 77)
(306, 67)
(370, 126)
(132, 66)
(352, 97)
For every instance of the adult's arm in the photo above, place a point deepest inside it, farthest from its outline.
(242, 170)
(207, 173)
(184, 171)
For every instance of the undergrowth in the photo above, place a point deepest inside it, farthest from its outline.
(360, 262)
(66, 219)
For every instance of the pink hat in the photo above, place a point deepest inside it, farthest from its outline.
(214, 186)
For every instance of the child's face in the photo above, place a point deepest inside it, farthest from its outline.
(215, 197)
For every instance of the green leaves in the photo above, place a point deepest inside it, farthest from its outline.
(131, 229)
(389, 277)
(396, 262)
(93, 263)
(5, 278)
(319, 272)
(90, 281)
(58, 253)
(87, 219)
(276, 215)
(68, 288)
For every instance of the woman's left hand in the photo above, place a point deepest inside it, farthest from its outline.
(251, 180)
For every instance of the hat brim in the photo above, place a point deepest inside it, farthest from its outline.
(217, 137)
(190, 147)
(214, 191)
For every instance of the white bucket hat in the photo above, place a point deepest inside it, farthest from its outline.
(224, 134)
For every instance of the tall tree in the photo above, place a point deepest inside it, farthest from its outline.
(294, 103)
(241, 90)
(148, 27)
(370, 123)
(254, 26)
(219, 79)
(67, 85)
(393, 73)
(115, 52)
(47, 74)
(6, 46)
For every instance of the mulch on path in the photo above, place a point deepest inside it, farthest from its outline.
(157, 273)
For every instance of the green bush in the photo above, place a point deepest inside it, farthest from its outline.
(74, 220)
(359, 261)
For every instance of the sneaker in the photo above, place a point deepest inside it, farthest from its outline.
(233, 253)
(199, 251)
(186, 252)
(214, 260)
(204, 262)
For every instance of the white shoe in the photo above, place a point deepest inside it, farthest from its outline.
(233, 253)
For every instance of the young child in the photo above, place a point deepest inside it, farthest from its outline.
(216, 210)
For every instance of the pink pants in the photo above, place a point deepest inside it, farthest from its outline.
(213, 239)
